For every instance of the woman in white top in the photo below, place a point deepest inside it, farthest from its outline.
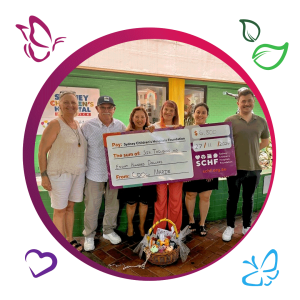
(168, 208)
(63, 171)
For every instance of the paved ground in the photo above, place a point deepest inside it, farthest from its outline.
(204, 250)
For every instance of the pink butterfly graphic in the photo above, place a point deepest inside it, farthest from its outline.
(28, 47)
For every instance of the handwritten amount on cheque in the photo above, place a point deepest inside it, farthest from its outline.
(148, 163)
(145, 153)
(138, 165)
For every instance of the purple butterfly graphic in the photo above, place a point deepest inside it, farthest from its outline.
(28, 47)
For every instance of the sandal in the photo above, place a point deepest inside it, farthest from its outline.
(202, 231)
(130, 238)
(76, 245)
(193, 227)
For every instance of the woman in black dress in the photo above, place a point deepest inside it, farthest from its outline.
(203, 187)
(143, 195)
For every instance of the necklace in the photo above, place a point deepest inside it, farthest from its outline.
(74, 130)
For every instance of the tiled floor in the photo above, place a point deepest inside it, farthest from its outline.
(204, 250)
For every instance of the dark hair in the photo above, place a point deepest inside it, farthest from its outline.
(131, 125)
(201, 104)
(245, 92)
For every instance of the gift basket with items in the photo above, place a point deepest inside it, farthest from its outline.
(164, 247)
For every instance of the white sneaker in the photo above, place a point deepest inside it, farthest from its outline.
(89, 244)
(227, 234)
(112, 237)
(245, 230)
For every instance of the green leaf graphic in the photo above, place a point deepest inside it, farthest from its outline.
(250, 26)
(264, 50)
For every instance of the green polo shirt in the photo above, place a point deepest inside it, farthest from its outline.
(246, 140)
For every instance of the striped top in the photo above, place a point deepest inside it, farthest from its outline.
(93, 131)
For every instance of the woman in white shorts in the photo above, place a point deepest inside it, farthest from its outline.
(63, 171)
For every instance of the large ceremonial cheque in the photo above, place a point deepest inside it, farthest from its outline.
(169, 155)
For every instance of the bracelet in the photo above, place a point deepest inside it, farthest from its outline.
(44, 173)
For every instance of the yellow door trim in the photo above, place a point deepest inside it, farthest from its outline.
(176, 93)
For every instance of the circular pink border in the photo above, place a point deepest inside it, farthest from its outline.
(71, 63)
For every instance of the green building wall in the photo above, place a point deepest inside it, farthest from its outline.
(217, 209)
(122, 88)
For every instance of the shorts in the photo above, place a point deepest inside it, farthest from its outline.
(199, 186)
(145, 194)
(66, 187)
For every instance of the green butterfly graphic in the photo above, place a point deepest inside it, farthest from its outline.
(269, 47)
(248, 37)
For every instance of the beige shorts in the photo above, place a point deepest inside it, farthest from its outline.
(66, 187)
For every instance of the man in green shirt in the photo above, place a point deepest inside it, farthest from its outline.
(248, 129)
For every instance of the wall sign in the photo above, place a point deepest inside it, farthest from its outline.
(87, 101)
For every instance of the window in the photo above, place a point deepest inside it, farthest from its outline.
(151, 95)
(193, 94)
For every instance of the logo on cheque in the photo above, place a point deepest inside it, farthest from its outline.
(206, 160)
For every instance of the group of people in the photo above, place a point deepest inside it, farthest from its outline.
(72, 163)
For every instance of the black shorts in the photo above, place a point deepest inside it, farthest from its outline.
(200, 186)
(144, 194)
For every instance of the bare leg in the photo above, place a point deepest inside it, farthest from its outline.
(143, 208)
(190, 201)
(69, 221)
(130, 210)
(204, 206)
(59, 220)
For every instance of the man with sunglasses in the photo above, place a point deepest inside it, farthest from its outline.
(97, 177)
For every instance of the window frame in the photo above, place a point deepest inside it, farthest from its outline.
(192, 86)
(162, 84)
(189, 119)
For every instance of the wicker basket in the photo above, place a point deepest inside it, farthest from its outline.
(165, 258)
